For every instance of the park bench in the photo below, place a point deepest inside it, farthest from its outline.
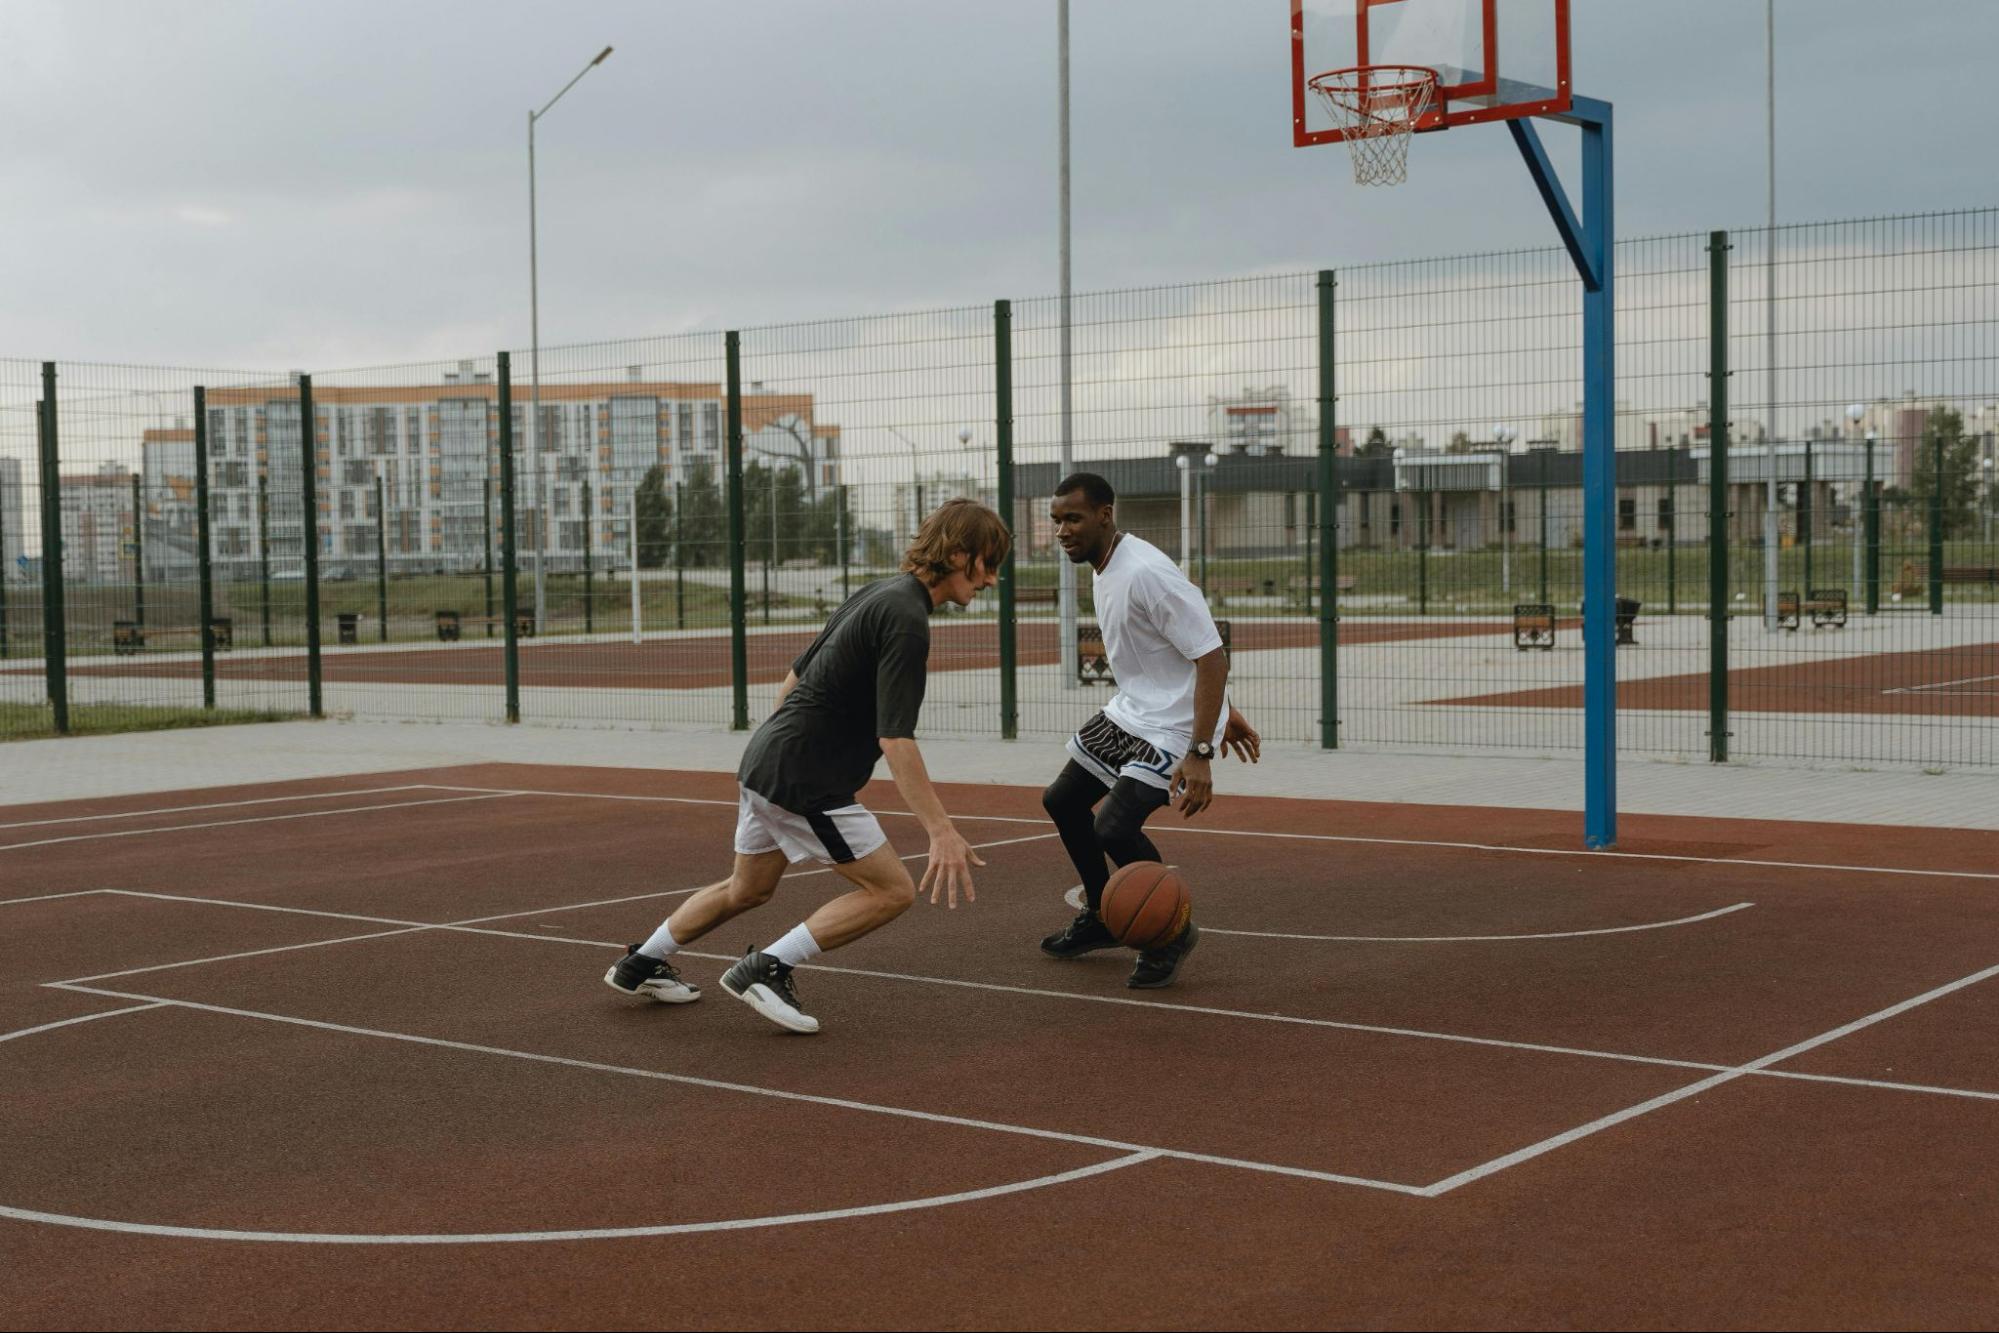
(1037, 595)
(1826, 607)
(450, 624)
(1093, 664)
(1986, 574)
(1298, 588)
(1533, 626)
(129, 636)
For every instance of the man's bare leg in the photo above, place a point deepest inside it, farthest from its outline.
(750, 884)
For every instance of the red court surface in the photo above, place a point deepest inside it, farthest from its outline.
(1937, 682)
(336, 1053)
(702, 662)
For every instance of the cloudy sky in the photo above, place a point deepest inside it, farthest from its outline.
(269, 185)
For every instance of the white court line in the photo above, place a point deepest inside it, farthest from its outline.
(261, 819)
(1944, 685)
(1355, 838)
(1371, 1029)
(80, 1018)
(52, 897)
(231, 805)
(589, 1233)
(749, 1089)
(1534, 1150)
(1075, 899)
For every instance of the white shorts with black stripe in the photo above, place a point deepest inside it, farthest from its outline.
(1110, 752)
(834, 836)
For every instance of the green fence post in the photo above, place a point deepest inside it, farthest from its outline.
(1717, 521)
(308, 437)
(1871, 518)
(739, 655)
(55, 630)
(509, 584)
(589, 573)
(381, 556)
(846, 586)
(1003, 444)
(1807, 518)
(204, 572)
(3, 572)
(1423, 558)
(264, 551)
(1672, 542)
(486, 511)
(1936, 522)
(1328, 510)
(138, 553)
(679, 565)
(1542, 494)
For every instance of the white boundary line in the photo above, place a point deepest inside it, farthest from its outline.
(1945, 685)
(752, 1090)
(231, 805)
(80, 1018)
(1352, 838)
(262, 819)
(589, 1233)
(1534, 1150)
(1371, 1029)
(1075, 899)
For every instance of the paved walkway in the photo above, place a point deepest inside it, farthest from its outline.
(32, 771)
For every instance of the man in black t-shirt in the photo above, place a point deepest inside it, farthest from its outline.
(851, 698)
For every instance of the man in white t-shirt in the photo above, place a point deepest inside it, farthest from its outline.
(1155, 741)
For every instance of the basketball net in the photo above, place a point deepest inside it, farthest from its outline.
(1376, 107)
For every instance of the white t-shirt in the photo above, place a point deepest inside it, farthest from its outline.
(1155, 623)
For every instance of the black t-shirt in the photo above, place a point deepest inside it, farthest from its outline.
(861, 680)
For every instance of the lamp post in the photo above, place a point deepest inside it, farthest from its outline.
(534, 353)
(915, 480)
(1185, 462)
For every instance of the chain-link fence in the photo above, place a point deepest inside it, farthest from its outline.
(687, 511)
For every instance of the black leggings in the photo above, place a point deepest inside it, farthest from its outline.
(1117, 830)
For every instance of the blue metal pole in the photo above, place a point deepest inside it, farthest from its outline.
(1599, 484)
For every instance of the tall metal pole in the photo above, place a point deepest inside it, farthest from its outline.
(509, 545)
(3, 566)
(589, 563)
(486, 499)
(1003, 456)
(308, 441)
(1771, 541)
(534, 353)
(1717, 503)
(635, 560)
(264, 551)
(138, 553)
(55, 630)
(381, 555)
(739, 660)
(1324, 517)
(679, 562)
(1871, 519)
(204, 572)
(1065, 571)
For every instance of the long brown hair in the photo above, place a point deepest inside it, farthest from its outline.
(957, 527)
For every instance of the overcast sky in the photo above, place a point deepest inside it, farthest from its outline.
(276, 185)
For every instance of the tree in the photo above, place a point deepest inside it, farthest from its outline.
(1376, 445)
(655, 518)
(704, 523)
(1460, 443)
(1958, 483)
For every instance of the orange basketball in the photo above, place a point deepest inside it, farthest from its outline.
(1146, 904)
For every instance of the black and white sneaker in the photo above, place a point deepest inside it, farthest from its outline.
(637, 974)
(1079, 937)
(764, 984)
(1157, 966)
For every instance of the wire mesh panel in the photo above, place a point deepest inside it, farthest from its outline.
(24, 697)
(1862, 463)
(1199, 405)
(624, 560)
(854, 431)
(136, 650)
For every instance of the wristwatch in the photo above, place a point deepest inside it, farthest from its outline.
(1204, 750)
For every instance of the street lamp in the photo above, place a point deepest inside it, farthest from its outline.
(1854, 414)
(915, 478)
(534, 354)
(1186, 464)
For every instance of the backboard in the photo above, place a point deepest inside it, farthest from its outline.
(1495, 59)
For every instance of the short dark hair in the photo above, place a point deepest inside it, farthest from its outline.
(1094, 488)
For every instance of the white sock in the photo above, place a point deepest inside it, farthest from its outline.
(662, 944)
(795, 948)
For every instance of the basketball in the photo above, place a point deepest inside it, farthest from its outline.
(1146, 904)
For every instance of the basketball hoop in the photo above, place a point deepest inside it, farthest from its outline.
(1376, 107)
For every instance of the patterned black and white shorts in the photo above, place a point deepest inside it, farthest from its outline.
(836, 837)
(1109, 752)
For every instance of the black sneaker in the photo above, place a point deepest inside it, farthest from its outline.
(1079, 937)
(764, 984)
(1157, 966)
(637, 974)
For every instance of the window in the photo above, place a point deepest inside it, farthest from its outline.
(1509, 516)
(1394, 518)
(1665, 513)
(1627, 515)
